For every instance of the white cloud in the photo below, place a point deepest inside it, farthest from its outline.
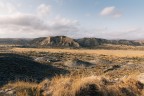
(63, 21)
(107, 11)
(19, 20)
(43, 10)
(7, 8)
(111, 11)
(30, 25)
(63, 26)
(14, 23)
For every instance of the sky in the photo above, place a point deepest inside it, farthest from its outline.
(109, 19)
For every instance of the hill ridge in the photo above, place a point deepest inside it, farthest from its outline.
(67, 42)
(64, 41)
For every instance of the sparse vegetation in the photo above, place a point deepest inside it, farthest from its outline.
(71, 72)
(119, 53)
(79, 86)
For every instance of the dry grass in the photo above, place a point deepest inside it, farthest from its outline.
(120, 47)
(93, 86)
(9, 45)
(82, 86)
(21, 84)
(21, 88)
(119, 53)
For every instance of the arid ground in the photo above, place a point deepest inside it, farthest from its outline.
(86, 72)
(119, 53)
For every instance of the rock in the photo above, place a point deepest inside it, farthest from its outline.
(140, 81)
(114, 67)
(46, 59)
(7, 92)
(79, 63)
(140, 78)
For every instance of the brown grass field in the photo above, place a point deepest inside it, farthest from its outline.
(119, 53)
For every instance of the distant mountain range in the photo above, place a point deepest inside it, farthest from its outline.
(67, 42)
(14, 41)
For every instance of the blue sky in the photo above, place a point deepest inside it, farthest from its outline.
(110, 19)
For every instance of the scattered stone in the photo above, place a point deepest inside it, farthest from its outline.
(141, 78)
(46, 59)
(114, 67)
(79, 63)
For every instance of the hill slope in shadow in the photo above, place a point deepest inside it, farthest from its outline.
(16, 67)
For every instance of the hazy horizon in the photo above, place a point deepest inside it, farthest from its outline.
(73, 18)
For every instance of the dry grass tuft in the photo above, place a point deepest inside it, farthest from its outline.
(81, 86)
(21, 88)
(93, 86)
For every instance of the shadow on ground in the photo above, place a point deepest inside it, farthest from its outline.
(16, 67)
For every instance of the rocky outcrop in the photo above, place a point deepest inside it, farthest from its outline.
(141, 78)
(140, 42)
(57, 41)
(63, 41)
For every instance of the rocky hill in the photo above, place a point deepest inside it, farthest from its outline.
(63, 41)
(124, 42)
(67, 42)
(94, 42)
(140, 41)
(57, 41)
(91, 42)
